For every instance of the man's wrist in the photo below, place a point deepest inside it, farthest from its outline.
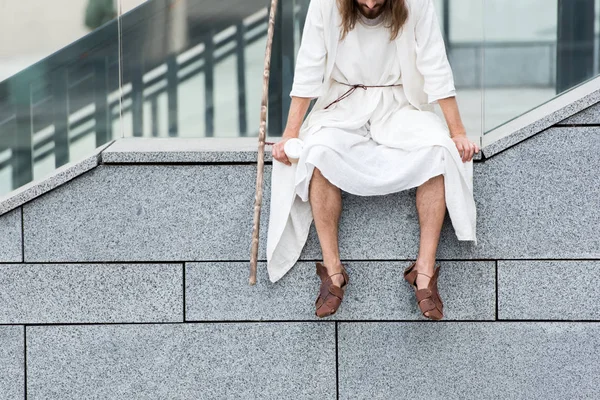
(289, 134)
(458, 133)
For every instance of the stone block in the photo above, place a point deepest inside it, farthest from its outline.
(557, 290)
(468, 360)
(12, 360)
(536, 200)
(147, 213)
(539, 199)
(90, 293)
(182, 361)
(377, 291)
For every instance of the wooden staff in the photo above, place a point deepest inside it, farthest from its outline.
(261, 144)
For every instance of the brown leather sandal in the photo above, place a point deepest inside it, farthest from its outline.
(428, 299)
(330, 295)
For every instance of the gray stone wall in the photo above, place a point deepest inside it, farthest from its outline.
(131, 281)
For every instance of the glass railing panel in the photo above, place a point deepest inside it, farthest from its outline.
(226, 91)
(54, 85)
(534, 51)
(461, 25)
(122, 101)
(193, 68)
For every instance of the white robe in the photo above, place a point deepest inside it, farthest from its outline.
(412, 129)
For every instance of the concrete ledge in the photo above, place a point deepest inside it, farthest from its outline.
(61, 175)
(589, 116)
(377, 291)
(191, 361)
(185, 150)
(561, 290)
(12, 363)
(464, 360)
(90, 293)
(11, 239)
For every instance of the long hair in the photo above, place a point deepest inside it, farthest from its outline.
(395, 15)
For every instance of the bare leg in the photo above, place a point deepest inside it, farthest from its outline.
(326, 203)
(431, 206)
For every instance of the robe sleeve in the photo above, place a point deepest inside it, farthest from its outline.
(311, 60)
(432, 61)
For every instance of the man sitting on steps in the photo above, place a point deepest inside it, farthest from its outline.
(376, 68)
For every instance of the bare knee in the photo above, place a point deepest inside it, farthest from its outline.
(320, 187)
(317, 174)
(316, 179)
(325, 198)
(433, 180)
(437, 179)
(319, 180)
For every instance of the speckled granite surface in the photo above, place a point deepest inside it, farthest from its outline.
(147, 213)
(548, 289)
(589, 116)
(377, 291)
(200, 361)
(468, 360)
(12, 360)
(11, 239)
(90, 293)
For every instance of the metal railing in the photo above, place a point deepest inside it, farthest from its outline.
(74, 93)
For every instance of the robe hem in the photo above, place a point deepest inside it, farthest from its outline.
(273, 277)
(471, 237)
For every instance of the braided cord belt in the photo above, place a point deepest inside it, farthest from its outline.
(353, 88)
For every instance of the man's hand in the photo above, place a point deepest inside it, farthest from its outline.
(278, 153)
(465, 147)
(277, 149)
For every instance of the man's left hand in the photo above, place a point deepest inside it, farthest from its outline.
(465, 147)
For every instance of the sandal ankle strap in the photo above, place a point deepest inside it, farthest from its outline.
(343, 273)
(421, 273)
